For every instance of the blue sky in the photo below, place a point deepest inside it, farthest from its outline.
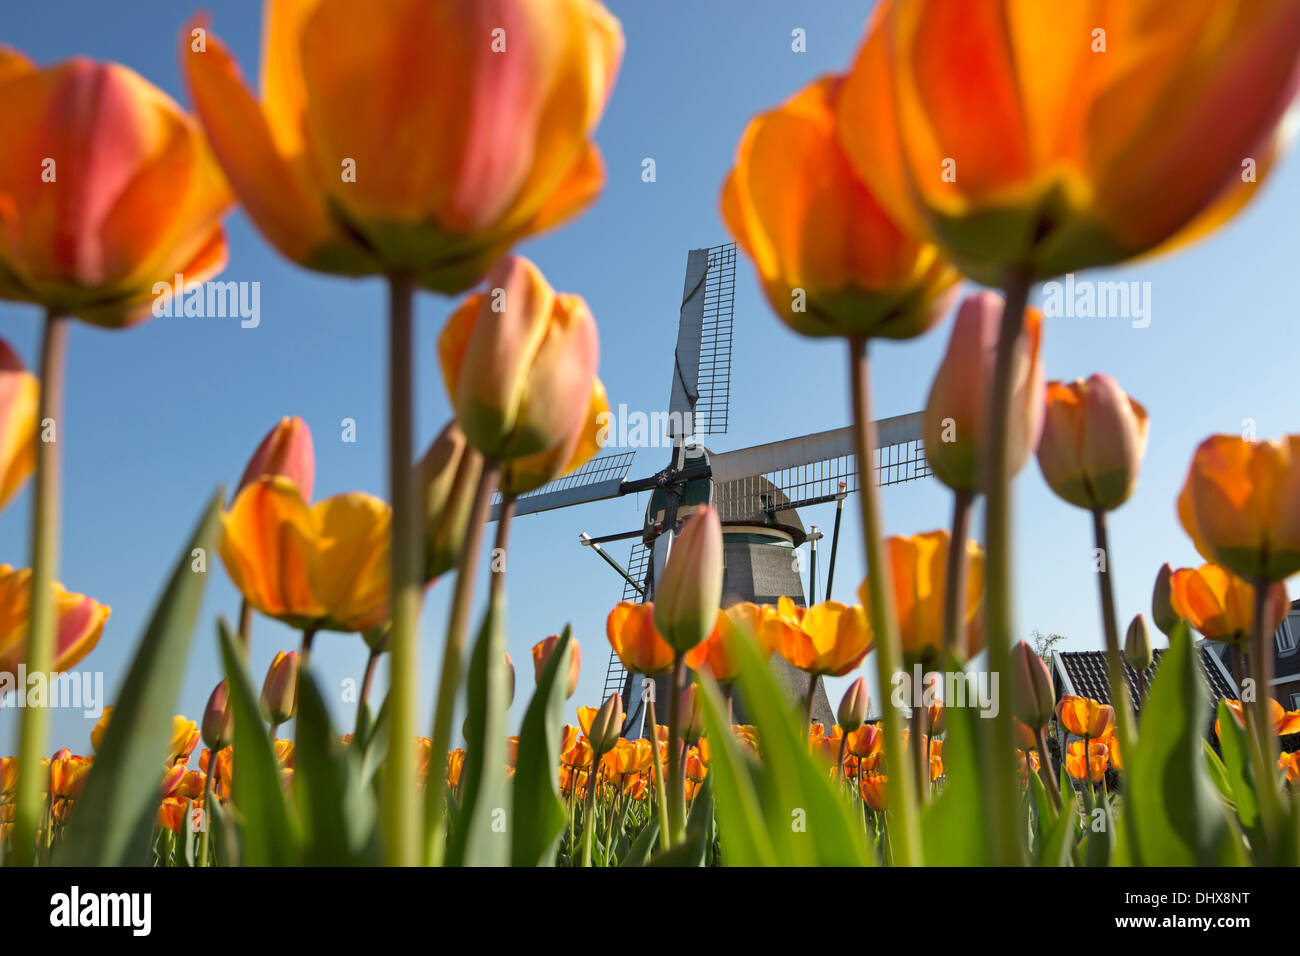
(159, 415)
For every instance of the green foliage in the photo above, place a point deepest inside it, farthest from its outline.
(538, 812)
(116, 810)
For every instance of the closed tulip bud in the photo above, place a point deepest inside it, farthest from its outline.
(218, 720)
(542, 652)
(279, 700)
(518, 361)
(449, 475)
(953, 425)
(1092, 444)
(1033, 686)
(19, 397)
(286, 450)
(687, 599)
(1162, 607)
(691, 712)
(1137, 644)
(605, 725)
(853, 706)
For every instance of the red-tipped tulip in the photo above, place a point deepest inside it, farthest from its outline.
(218, 727)
(286, 450)
(542, 652)
(953, 429)
(519, 362)
(279, 700)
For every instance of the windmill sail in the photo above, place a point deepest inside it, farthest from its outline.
(701, 387)
(809, 470)
(598, 479)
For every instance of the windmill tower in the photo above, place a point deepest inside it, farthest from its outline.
(757, 490)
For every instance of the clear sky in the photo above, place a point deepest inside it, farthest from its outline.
(159, 415)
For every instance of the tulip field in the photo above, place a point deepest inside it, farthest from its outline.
(966, 154)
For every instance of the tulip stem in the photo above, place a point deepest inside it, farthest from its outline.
(1119, 696)
(676, 787)
(206, 833)
(1264, 745)
(1001, 782)
(589, 809)
(954, 597)
(372, 664)
(304, 652)
(904, 827)
(401, 809)
(919, 755)
(661, 792)
(453, 652)
(35, 731)
(246, 624)
(1046, 772)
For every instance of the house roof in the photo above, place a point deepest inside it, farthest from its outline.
(1083, 673)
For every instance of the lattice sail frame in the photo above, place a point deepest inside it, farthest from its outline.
(714, 376)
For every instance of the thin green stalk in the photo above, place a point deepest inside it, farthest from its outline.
(676, 785)
(954, 594)
(35, 731)
(661, 792)
(367, 680)
(920, 757)
(904, 826)
(245, 624)
(1000, 780)
(1046, 771)
(453, 653)
(206, 832)
(1263, 746)
(401, 808)
(1119, 695)
(589, 810)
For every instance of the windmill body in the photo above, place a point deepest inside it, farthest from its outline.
(757, 491)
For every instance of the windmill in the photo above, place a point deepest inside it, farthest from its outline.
(757, 490)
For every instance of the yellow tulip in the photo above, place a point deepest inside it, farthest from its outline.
(19, 397)
(919, 573)
(1048, 138)
(829, 258)
(423, 136)
(317, 567)
(827, 638)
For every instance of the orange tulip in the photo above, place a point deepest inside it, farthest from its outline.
(323, 566)
(827, 638)
(1221, 605)
(446, 133)
(1282, 722)
(542, 652)
(954, 428)
(1241, 505)
(1093, 439)
(19, 397)
(80, 622)
(1050, 138)
(919, 573)
(108, 191)
(68, 774)
(866, 743)
(1290, 765)
(1085, 717)
(635, 639)
(519, 363)
(171, 814)
(1097, 763)
(936, 759)
(716, 656)
(286, 450)
(872, 787)
(830, 259)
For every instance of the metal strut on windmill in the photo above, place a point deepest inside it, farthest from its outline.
(757, 490)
